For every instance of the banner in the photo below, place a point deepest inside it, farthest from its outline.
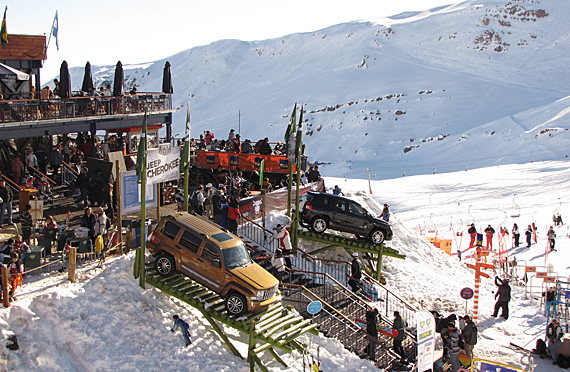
(245, 162)
(163, 164)
(131, 194)
(489, 366)
(426, 340)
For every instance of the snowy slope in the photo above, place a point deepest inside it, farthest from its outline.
(454, 87)
(106, 322)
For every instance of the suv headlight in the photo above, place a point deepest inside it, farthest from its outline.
(265, 294)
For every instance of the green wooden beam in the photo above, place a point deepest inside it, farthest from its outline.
(221, 333)
(278, 358)
(325, 248)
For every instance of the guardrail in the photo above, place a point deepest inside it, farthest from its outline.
(49, 109)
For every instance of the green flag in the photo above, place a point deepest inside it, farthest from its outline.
(261, 173)
(185, 158)
(4, 30)
(292, 124)
(141, 153)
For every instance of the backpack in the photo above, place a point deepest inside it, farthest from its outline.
(540, 347)
(563, 361)
(194, 200)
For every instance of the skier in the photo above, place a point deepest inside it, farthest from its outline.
(489, 232)
(473, 234)
(516, 234)
(504, 296)
(528, 234)
(356, 271)
(184, 327)
(551, 236)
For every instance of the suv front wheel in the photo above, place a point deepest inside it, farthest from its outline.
(164, 264)
(235, 304)
(377, 236)
(319, 225)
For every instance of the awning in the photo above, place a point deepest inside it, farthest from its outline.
(10, 71)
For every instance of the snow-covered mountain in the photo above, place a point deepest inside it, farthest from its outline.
(464, 86)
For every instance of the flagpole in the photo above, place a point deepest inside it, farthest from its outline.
(142, 277)
(298, 153)
(186, 159)
(290, 159)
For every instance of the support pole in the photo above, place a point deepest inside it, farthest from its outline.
(158, 196)
(119, 212)
(379, 262)
(72, 262)
(251, 346)
(219, 331)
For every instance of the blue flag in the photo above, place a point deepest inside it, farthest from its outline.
(54, 30)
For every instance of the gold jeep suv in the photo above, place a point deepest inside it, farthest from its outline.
(215, 258)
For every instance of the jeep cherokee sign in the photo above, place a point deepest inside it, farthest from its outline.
(162, 164)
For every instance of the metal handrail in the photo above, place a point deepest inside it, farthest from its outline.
(43, 175)
(12, 184)
(70, 168)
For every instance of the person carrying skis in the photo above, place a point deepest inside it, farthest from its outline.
(551, 238)
(489, 232)
(184, 327)
(504, 296)
(554, 334)
(473, 234)
(356, 273)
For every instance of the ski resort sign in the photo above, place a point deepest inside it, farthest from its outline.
(162, 164)
(426, 339)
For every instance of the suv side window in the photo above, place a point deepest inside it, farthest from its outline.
(356, 209)
(210, 252)
(170, 230)
(190, 241)
(339, 205)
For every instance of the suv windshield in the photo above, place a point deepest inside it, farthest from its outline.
(235, 257)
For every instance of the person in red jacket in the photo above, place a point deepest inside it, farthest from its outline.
(15, 270)
(473, 234)
(489, 232)
(233, 214)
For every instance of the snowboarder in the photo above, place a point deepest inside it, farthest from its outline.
(516, 235)
(551, 238)
(504, 296)
(489, 232)
(356, 273)
(184, 327)
(399, 325)
(469, 335)
(554, 334)
(528, 234)
(473, 234)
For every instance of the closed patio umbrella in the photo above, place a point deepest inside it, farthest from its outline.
(64, 81)
(87, 85)
(119, 82)
(167, 79)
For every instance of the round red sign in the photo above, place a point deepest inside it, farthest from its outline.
(466, 293)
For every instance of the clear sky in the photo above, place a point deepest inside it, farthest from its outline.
(105, 31)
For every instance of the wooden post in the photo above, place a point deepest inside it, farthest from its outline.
(250, 353)
(72, 260)
(379, 264)
(5, 292)
(119, 212)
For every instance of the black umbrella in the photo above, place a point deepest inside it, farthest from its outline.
(167, 79)
(119, 83)
(87, 79)
(64, 81)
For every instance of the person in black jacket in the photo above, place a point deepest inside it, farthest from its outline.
(356, 273)
(82, 184)
(469, 336)
(6, 202)
(473, 234)
(265, 147)
(372, 330)
(27, 222)
(504, 296)
(88, 221)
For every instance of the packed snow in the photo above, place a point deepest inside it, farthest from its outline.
(106, 322)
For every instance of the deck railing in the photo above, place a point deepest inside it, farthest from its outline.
(75, 107)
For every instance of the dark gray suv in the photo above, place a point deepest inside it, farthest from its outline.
(321, 211)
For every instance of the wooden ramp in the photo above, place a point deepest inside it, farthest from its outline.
(276, 327)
